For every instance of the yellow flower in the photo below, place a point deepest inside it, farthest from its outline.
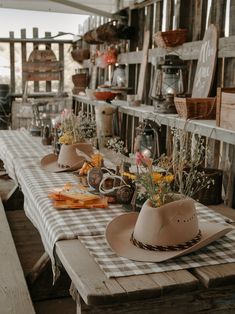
(66, 138)
(169, 178)
(156, 177)
(157, 200)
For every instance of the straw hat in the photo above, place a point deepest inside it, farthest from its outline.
(68, 159)
(159, 234)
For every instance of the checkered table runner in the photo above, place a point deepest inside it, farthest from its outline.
(88, 224)
(54, 224)
(219, 252)
(20, 146)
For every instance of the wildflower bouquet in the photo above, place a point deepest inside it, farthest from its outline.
(181, 174)
(74, 129)
(156, 182)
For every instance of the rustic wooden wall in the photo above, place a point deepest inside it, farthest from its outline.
(195, 15)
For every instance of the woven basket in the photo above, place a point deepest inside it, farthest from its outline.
(107, 33)
(80, 55)
(171, 38)
(196, 108)
(211, 195)
(91, 38)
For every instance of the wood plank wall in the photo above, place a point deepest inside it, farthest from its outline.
(195, 15)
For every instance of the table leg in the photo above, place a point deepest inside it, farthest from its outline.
(76, 297)
(38, 268)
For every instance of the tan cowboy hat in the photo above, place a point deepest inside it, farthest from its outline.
(68, 159)
(159, 234)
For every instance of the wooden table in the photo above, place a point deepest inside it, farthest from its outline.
(208, 289)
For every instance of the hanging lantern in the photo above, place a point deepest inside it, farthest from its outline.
(169, 81)
(146, 140)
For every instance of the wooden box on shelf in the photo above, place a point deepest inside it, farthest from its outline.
(225, 108)
(196, 108)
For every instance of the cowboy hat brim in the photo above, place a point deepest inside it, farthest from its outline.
(50, 163)
(119, 230)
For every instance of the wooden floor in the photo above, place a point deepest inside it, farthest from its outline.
(30, 248)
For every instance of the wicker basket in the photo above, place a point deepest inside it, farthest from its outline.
(171, 38)
(91, 38)
(80, 55)
(196, 108)
(107, 33)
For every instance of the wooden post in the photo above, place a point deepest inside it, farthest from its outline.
(61, 59)
(48, 46)
(12, 62)
(35, 46)
(23, 56)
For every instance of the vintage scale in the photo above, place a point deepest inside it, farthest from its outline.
(110, 184)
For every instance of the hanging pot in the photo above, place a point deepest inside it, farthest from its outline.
(91, 37)
(107, 33)
(80, 55)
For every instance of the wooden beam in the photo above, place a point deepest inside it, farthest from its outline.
(84, 8)
(35, 40)
(23, 56)
(12, 63)
(48, 46)
(35, 47)
(143, 66)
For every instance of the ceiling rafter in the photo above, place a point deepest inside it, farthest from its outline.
(84, 8)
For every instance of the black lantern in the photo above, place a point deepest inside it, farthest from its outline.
(169, 80)
(146, 140)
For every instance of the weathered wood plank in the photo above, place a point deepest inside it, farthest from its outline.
(217, 301)
(216, 275)
(94, 286)
(12, 63)
(48, 46)
(187, 51)
(175, 281)
(61, 59)
(197, 27)
(42, 76)
(14, 295)
(35, 47)
(143, 66)
(23, 56)
(42, 66)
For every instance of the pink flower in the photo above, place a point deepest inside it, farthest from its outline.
(139, 158)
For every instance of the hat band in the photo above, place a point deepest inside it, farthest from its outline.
(176, 247)
(63, 166)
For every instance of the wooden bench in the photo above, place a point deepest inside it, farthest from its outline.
(14, 294)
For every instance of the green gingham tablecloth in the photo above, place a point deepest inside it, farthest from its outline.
(219, 252)
(89, 224)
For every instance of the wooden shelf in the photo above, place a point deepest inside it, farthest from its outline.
(206, 128)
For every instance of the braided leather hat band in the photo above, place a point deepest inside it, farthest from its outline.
(176, 247)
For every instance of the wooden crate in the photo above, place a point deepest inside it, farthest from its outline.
(225, 113)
